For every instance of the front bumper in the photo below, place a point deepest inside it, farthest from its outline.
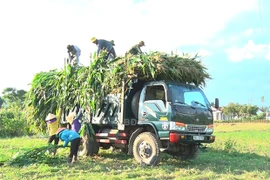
(191, 138)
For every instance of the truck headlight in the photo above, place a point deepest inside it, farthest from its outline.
(177, 126)
(210, 128)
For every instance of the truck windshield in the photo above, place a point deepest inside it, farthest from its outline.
(188, 95)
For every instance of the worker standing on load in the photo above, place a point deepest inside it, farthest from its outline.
(136, 49)
(104, 45)
(74, 53)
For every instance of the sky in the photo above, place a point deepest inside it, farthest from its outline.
(232, 38)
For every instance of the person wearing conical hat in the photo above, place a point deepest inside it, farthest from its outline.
(73, 120)
(52, 124)
(136, 49)
(104, 45)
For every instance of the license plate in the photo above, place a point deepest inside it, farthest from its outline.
(198, 138)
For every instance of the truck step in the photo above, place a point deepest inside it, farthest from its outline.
(112, 133)
(112, 141)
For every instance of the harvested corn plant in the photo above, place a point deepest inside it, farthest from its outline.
(36, 155)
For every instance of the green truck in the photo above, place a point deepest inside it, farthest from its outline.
(150, 117)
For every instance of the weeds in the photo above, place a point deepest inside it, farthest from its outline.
(230, 146)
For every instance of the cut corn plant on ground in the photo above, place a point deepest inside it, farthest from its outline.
(88, 85)
(36, 155)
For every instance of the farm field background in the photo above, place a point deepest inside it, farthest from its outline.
(241, 151)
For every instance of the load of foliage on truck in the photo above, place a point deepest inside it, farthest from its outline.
(88, 85)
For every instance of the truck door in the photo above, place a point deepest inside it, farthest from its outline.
(154, 107)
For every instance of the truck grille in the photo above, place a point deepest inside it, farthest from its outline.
(196, 128)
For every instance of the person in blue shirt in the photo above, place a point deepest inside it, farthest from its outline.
(104, 45)
(73, 137)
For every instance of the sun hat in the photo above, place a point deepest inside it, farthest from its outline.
(50, 117)
(70, 117)
(112, 41)
(93, 39)
(59, 130)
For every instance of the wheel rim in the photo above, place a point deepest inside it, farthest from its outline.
(145, 150)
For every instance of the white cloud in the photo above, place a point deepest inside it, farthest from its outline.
(249, 31)
(204, 53)
(34, 34)
(249, 51)
(254, 31)
(267, 56)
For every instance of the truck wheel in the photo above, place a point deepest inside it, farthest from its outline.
(135, 104)
(146, 149)
(88, 147)
(124, 150)
(191, 152)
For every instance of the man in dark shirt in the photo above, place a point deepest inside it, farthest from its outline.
(104, 45)
(136, 49)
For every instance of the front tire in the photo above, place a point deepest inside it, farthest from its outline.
(146, 149)
(191, 152)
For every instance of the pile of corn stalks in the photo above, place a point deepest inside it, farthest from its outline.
(88, 85)
(38, 155)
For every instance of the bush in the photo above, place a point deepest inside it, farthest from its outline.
(230, 145)
(12, 122)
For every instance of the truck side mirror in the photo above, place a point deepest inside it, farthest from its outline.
(216, 103)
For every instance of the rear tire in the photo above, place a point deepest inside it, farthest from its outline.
(89, 146)
(146, 149)
(135, 104)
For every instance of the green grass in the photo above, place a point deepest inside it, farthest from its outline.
(238, 154)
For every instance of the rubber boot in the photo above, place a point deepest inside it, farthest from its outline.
(69, 161)
(53, 151)
(75, 159)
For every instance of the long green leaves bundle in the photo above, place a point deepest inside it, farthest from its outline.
(88, 85)
(161, 66)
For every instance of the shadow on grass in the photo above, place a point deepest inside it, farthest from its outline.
(218, 161)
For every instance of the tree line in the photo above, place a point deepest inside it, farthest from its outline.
(236, 110)
(15, 122)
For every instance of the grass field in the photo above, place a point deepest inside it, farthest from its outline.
(241, 151)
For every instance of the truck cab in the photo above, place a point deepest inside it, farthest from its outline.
(177, 110)
(155, 117)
